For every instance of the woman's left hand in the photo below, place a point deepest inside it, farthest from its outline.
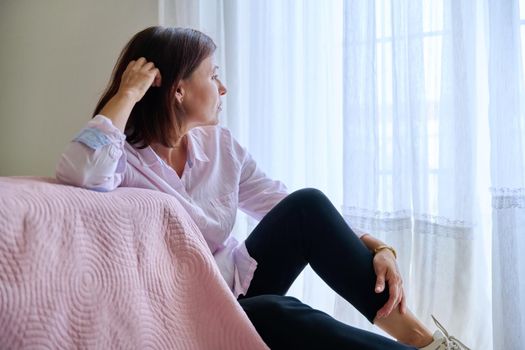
(386, 270)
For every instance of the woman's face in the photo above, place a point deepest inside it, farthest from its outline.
(201, 94)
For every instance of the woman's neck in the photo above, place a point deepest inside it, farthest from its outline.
(171, 154)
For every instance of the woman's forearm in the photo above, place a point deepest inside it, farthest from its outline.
(118, 109)
(371, 242)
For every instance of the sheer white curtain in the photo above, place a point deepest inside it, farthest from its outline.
(507, 136)
(384, 106)
(410, 142)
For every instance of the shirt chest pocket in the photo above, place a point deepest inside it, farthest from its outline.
(224, 210)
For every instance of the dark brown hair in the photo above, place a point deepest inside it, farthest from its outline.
(176, 52)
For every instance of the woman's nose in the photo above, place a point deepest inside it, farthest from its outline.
(222, 89)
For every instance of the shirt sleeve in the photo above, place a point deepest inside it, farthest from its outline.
(258, 193)
(95, 157)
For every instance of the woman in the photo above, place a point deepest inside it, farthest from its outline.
(156, 127)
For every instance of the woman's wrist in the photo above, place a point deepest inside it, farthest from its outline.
(376, 246)
(385, 248)
(126, 96)
(371, 242)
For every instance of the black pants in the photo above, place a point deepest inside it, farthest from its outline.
(305, 228)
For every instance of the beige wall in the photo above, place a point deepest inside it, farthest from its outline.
(56, 57)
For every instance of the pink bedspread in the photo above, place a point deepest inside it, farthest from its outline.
(123, 269)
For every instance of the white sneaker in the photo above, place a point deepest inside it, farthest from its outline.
(444, 341)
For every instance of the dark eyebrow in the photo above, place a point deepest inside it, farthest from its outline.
(215, 68)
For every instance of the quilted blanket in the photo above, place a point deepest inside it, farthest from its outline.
(122, 269)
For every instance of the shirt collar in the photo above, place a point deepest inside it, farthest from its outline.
(195, 148)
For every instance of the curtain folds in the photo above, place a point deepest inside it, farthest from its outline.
(507, 137)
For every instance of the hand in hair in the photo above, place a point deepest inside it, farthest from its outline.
(138, 77)
(136, 80)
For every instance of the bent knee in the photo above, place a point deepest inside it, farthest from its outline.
(308, 195)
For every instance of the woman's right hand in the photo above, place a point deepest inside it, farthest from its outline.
(138, 77)
(136, 80)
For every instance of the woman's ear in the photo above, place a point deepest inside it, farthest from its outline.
(179, 93)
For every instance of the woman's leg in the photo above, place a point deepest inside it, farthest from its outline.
(284, 322)
(305, 228)
(406, 328)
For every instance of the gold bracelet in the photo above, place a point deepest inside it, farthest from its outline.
(376, 250)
